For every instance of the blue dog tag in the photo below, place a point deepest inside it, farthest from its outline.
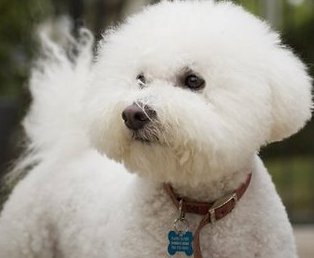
(180, 242)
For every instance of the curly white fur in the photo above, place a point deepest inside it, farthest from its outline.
(79, 201)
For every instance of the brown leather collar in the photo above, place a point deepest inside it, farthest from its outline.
(212, 211)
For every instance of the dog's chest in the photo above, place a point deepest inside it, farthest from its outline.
(135, 222)
(145, 222)
(147, 236)
(132, 218)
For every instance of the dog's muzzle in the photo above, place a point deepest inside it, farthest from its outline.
(137, 116)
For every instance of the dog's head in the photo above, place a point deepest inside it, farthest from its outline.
(191, 90)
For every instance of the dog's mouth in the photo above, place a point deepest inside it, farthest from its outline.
(145, 135)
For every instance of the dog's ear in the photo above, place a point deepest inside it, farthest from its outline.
(290, 87)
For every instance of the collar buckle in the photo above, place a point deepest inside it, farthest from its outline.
(232, 197)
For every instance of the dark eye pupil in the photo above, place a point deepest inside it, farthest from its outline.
(141, 78)
(194, 82)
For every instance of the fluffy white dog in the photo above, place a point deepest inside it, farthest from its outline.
(184, 93)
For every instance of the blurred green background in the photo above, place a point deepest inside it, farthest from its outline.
(291, 162)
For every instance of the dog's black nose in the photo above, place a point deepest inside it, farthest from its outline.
(136, 118)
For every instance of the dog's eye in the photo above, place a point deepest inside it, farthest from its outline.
(194, 82)
(141, 80)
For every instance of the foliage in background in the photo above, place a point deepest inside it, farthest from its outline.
(17, 20)
(294, 179)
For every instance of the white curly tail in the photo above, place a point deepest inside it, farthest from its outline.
(57, 83)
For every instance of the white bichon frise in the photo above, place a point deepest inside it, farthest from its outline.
(151, 149)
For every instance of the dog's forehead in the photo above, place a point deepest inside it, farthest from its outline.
(175, 34)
